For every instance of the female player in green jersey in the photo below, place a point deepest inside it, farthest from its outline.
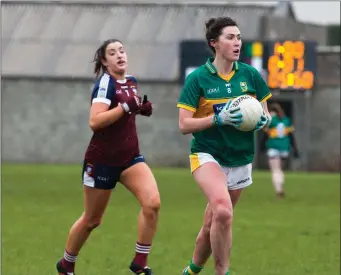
(278, 140)
(221, 155)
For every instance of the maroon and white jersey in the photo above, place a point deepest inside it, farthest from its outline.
(117, 144)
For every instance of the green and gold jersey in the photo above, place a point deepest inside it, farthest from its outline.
(278, 132)
(205, 92)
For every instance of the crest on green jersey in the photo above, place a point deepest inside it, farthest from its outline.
(243, 86)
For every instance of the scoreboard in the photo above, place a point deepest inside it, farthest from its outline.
(284, 64)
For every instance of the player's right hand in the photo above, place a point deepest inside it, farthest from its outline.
(132, 105)
(228, 116)
(264, 120)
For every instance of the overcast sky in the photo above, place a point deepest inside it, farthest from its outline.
(326, 12)
(317, 12)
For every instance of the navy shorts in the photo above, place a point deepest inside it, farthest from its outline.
(104, 176)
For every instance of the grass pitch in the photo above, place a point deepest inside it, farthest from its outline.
(297, 236)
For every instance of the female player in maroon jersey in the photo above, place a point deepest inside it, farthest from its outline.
(113, 155)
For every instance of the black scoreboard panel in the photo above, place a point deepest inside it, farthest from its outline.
(290, 64)
(284, 64)
(192, 55)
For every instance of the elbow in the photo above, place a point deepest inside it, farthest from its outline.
(183, 129)
(184, 132)
(93, 125)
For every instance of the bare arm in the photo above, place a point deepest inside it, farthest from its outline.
(188, 124)
(265, 107)
(101, 116)
(266, 111)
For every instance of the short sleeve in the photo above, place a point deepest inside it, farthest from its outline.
(104, 91)
(262, 90)
(190, 94)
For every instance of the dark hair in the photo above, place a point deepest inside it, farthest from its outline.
(275, 107)
(214, 27)
(100, 55)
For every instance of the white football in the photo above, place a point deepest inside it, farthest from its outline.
(251, 110)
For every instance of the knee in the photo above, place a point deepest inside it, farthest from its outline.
(91, 223)
(151, 208)
(223, 212)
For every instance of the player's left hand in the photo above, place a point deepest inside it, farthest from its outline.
(146, 108)
(262, 122)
